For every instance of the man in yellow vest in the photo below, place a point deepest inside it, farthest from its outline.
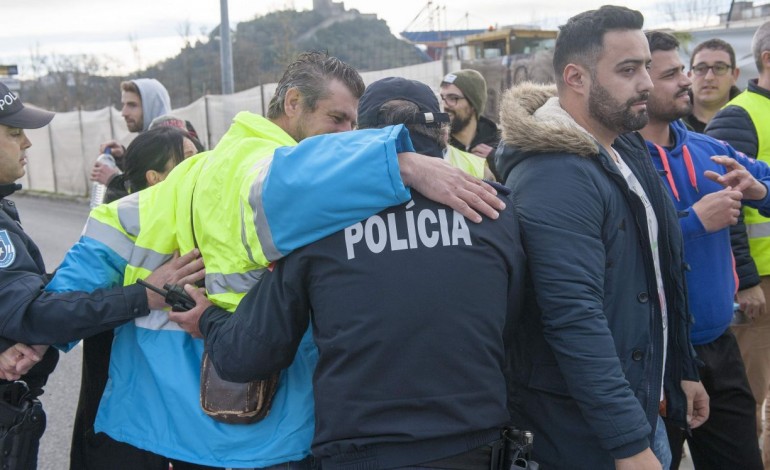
(745, 124)
(473, 137)
(392, 384)
(229, 203)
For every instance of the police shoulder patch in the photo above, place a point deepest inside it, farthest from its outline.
(7, 250)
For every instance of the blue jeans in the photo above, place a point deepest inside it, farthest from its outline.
(660, 445)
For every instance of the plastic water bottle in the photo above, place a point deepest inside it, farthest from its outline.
(98, 190)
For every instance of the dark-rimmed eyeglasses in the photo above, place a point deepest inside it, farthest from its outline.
(720, 68)
(451, 100)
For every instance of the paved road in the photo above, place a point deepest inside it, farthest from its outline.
(55, 225)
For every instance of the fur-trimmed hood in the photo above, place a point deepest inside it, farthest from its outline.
(532, 121)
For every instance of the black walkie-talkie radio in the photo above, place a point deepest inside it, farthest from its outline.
(174, 295)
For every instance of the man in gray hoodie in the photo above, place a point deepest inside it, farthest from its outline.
(142, 100)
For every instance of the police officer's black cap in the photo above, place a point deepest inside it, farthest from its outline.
(397, 88)
(14, 114)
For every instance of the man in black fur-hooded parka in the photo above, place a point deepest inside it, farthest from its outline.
(603, 345)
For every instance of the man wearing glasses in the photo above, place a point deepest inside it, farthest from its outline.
(745, 124)
(464, 97)
(713, 74)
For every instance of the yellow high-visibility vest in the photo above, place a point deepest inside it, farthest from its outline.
(468, 162)
(758, 227)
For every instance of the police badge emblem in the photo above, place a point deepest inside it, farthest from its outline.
(7, 250)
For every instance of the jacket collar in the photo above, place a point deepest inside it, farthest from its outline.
(426, 145)
(755, 88)
(8, 189)
(533, 121)
(486, 133)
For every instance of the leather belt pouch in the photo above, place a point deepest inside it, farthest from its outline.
(235, 403)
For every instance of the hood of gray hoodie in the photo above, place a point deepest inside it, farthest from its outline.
(155, 100)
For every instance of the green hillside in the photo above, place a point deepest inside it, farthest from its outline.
(264, 46)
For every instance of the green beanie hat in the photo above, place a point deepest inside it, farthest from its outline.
(473, 86)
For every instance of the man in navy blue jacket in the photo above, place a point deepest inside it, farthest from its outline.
(410, 310)
(707, 180)
(606, 335)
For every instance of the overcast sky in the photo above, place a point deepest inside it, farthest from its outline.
(109, 28)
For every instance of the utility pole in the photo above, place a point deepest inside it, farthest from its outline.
(225, 50)
(730, 14)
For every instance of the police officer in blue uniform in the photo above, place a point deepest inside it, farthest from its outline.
(30, 317)
(409, 309)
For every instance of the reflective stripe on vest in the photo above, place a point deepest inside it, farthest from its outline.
(129, 217)
(111, 236)
(157, 320)
(154, 364)
(757, 227)
(116, 225)
(128, 214)
(231, 228)
(218, 283)
(152, 219)
(759, 230)
(259, 219)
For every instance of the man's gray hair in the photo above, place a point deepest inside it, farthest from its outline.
(761, 43)
(311, 74)
(400, 111)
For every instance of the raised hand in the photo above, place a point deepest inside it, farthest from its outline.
(438, 180)
(189, 320)
(738, 178)
(719, 210)
(180, 270)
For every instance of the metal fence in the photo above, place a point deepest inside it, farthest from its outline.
(63, 152)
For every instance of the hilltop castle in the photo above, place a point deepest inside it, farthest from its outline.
(328, 7)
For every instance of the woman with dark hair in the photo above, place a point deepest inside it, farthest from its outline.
(153, 154)
(148, 159)
(169, 120)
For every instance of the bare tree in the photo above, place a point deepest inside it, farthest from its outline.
(74, 76)
(692, 12)
(286, 49)
(247, 69)
(184, 30)
(132, 40)
(69, 82)
(37, 62)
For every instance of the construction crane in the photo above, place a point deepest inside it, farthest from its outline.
(433, 14)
